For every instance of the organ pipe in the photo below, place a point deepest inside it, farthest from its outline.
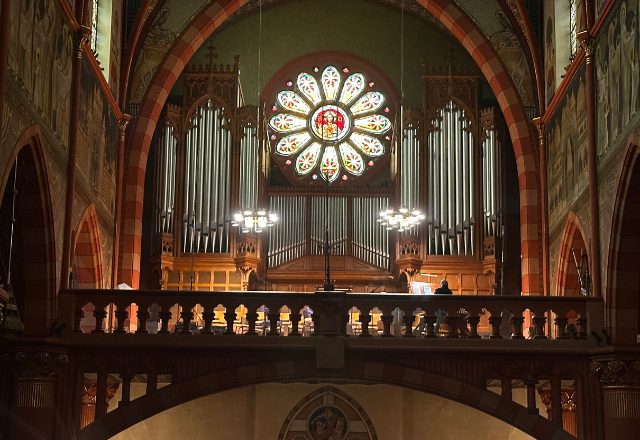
(287, 237)
(492, 178)
(165, 171)
(207, 181)
(450, 179)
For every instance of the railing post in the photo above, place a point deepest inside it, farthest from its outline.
(187, 317)
(126, 390)
(495, 322)
(561, 325)
(100, 315)
(430, 321)
(539, 322)
(143, 316)
(121, 317)
(295, 321)
(273, 323)
(165, 317)
(387, 320)
(251, 320)
(229, 316)
(207, 318)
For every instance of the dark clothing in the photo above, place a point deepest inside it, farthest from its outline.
(443, 291)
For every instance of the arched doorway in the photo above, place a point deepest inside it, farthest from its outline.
(573, 266)
(31, 244)
(87, 258)
(623, 286)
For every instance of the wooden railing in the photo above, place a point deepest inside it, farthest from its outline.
(90, 312)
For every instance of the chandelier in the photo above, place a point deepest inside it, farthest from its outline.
(401, 220)
(254, 221)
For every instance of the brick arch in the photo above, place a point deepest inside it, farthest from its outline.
(34, 271)
(461, 27)
(306, 371)
(623, 262)
(567, 283)
(87, 255)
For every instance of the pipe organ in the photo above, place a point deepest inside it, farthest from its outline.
(213, 157)
(451, 183)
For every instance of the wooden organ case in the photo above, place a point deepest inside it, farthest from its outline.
(209, 163)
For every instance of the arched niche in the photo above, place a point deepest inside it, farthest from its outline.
(32, 242)
(573, 267)
(87, 257)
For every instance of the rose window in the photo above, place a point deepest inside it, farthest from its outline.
(331, 124)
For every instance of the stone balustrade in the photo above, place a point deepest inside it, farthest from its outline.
(287, 314)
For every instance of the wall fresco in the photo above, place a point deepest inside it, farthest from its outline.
(549, 50)
(40, 64)
(566, 141)
(617, 61)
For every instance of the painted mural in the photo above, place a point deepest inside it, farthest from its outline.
(116, 39)
(327, 414)
(549, 51)
(41, 65)
(566, 140)
(617, 61)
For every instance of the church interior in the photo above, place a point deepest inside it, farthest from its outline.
(319, 220)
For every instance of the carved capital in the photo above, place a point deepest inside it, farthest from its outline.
(34, 364)
(123, 122)
(617, 373)
(567, 398)
(586, 43)
(82, 37)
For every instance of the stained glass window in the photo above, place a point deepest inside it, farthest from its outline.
(330, 123)
(573, 27)
(94, 25)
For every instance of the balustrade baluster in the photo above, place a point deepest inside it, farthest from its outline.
(165, 317)
(273, 323)
(101, 395)
(121, 317)
(100, 313)
(187, 317)
(365, 319)
(229, 316)
(430, 321)
(452, 324)
(251, 320)
(495, 322)
(387, 320)
(473, 321)
(539, 323)
(152, 382)
(505, 385)
(561, 326)
(295, 321)
(143, 316)
(516, 325)
(582, 328)
(207, 318)
(531, 396)
(408, 326)
(77, 318)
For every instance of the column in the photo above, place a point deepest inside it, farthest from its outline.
(32, 409)
(620, 381)
(564, 414)
(88, 413)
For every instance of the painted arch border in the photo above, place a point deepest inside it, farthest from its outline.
(451, 16)
(306, 371)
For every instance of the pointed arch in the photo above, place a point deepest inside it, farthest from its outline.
(33, 265)
(306, 371)
(450, 15)
(567, 283)
(87, 255)
(623, 262)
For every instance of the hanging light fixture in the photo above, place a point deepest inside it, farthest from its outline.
(254, 221)
(403, 218)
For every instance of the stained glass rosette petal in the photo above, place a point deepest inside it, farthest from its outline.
(329, 123)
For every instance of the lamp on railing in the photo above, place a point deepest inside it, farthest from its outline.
(401, 220)
(254, 221)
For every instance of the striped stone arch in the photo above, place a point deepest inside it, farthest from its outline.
(452, 17)
(34, 246)
(567, 283)
(623, 262)
(305, 371)
(87, 255)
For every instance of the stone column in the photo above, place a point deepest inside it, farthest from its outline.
(33, 403)
(88, 413)
(620, 381)
(567, 396)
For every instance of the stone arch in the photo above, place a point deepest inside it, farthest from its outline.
(306, 371)
(567, 283)
(327, 396)
(87, 255)
(623, 265)
(33, 252)
(452, 17)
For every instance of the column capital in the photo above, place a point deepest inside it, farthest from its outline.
(34, 364)
(616, 373)
(586, 43)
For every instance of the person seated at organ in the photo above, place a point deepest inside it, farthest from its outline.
(443, 289)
